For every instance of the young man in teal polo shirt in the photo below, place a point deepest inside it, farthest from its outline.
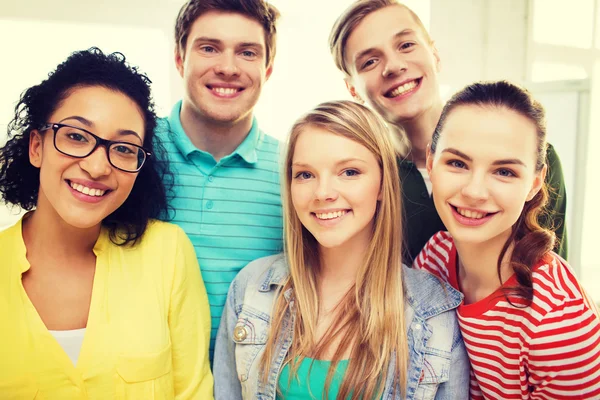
(226, 171)
(390, 63)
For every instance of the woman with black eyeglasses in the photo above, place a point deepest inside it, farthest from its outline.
(97, 299)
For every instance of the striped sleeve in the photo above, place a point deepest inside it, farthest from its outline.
(435, 255)
(564, 356)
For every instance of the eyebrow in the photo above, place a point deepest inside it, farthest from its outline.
(215, 41)
(340, 162)
(497, 162)
(401, 34)
(90, 124)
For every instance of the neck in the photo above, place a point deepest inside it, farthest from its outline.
(478, 267)
(46, 233)
(339, 265)
(418, 132)
(215, 137)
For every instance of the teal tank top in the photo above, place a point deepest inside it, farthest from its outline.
(310, 386)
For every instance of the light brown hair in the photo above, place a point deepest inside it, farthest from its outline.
(369, 320)
(349, 20)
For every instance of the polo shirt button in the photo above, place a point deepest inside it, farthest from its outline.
(209, 204)
(425, 195)
(211, 178)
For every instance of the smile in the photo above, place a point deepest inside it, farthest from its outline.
(330, 215)
(225, 91)
(471, 217)
(403, 89)
(86, 190)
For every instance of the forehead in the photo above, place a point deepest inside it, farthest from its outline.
(489, 132)
(108, 110)
(318, 146)
(228, 27)
(379, 27)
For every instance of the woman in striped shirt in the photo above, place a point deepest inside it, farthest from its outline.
(529, 329)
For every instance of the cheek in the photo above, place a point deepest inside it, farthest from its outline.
(300, 194)
(126, 183)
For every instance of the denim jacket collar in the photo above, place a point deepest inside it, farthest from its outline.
(423, 295)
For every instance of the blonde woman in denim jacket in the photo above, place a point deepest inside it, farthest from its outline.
(338, 316)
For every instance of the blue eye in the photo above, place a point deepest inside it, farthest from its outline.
(351, 172)
(303, 175)
(456, 164)
(506, 173)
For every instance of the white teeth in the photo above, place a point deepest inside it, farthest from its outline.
(87, 190)
(470, 214)
(225, 91)
(403, 89)
(331, 215)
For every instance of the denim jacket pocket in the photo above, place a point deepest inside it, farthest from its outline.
(250, 336)
(436, 370)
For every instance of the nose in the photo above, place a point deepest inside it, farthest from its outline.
(394, 66)
(96, 164)
(325, 190)
(227, 65)
(475, 188)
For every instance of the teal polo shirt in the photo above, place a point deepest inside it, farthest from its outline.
(230, 209)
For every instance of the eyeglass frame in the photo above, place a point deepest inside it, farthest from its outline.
(99, 142)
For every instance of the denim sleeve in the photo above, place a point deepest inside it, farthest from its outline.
(227, 384)
(457, 387)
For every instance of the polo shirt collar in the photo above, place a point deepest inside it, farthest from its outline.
(246, 150)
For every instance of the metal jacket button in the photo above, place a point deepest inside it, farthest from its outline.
(239, 333)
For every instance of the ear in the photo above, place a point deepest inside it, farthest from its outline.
(352, 91)
(269, 72)
(429, 162)
(539, 180)
(35, 148)
(436, 55)
(179, 58)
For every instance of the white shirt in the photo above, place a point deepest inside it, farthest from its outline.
(70, 341)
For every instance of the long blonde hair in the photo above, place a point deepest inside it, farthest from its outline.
(370, 318)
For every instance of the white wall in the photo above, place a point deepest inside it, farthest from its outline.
(520, 40)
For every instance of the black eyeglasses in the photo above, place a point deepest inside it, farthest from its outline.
(79, 143)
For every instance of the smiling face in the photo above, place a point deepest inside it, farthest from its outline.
(483, 171)
(393, 66)
(223, 66)
(84, 191)
(335, 186)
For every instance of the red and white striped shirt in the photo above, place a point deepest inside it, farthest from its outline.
(549, 350)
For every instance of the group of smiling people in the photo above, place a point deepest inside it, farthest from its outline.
(417, 250)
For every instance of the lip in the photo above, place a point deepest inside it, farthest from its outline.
(473, 222)
(333, 221)
(212, 86)
(90, 184)
(404, 95)
(87, 198)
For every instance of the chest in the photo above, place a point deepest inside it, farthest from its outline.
(61, 296)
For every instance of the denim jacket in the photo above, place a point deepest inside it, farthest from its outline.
(438, 364)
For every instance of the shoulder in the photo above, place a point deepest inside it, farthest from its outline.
(162, 127)
(436, 254)
(269, 145)
(555, 283)
(264, 272)
(162, 238)
(257, 283)
(428, 294)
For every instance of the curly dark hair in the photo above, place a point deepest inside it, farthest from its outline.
(531, 239)
(20, 181)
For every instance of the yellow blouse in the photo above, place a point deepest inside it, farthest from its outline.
(147, 333)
